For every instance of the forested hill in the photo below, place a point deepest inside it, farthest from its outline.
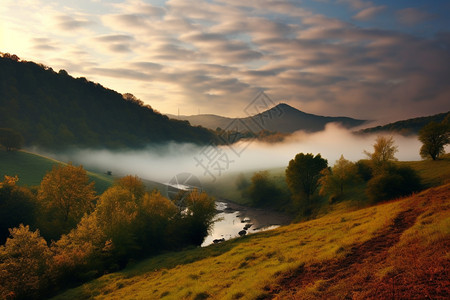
(54, 110)
(407, 127)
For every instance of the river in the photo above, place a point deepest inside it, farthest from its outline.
(233, 218)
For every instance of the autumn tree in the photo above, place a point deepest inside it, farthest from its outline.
(303, 173)
(25, 262)
(383, 154)
(80, 254)
(201, 209)
(17, 205)
(434, 137)
(339, 177)
(116, 214)
(65, 195)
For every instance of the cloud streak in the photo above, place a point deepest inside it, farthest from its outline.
(216, 55)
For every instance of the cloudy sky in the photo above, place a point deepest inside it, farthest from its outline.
(382, 60)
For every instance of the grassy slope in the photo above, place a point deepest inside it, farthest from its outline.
(31, 168)
(400, 248)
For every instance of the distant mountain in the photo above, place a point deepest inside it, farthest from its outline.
(54, 110)
(409, 126)
(280, 118)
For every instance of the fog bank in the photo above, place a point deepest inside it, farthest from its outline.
(163, 162)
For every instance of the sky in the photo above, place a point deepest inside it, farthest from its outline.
(376, 60)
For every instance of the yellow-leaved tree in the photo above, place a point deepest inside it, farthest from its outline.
(65, 195)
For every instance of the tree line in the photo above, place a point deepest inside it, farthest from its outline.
(309, 179)
(62, 233)
(54, 110)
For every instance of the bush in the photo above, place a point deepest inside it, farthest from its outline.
(394, 182)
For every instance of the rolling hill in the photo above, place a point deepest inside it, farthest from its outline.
(409, 126)
(397, 249)
(32, 167)
(280, 118)
(55, 111)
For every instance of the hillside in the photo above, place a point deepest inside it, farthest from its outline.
(407, 127)
(31, 168)
(54, 110)
(281, 118)
(398, 249)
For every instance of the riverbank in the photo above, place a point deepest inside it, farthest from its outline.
(259, 217)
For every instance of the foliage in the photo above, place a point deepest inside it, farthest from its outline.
(407, 127)
(303, 173)
(434, 137)
(25, 264)
(116, 213)
(393, 182)
(17, 205)
(383, 154)
(64, 196)
(55, 111)
(245, 268)
(341, 175)
(10, 139)
(201, 210)
(262, 191)
(364, 169)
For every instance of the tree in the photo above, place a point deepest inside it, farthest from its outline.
(201, 210)
(133, 184)
(25, 262)
(343, 173)
(303, 173)
(17, 205)
(10, 139)
(262, 191)
(393, 182)
(65, 195)
(434, 137)
(116, 214)
(384, 152)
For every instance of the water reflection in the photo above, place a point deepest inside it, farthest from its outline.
(231, 222)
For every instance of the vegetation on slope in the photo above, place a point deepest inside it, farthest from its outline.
(396, 249)
(407, 127)
(31, 168)
(55, 110)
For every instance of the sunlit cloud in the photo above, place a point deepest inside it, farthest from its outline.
(215, 55)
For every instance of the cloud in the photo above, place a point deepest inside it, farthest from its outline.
(70, 23)
(369, 13)
(412, 16)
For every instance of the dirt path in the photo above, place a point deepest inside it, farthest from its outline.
(370, 252)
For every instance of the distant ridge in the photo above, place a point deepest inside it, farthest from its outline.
(409, 126)
(280, 118)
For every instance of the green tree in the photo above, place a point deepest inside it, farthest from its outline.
(392, 183)
(65, 195)
(10, 139)
(341, 175)
(303, 173)
(25, 265)
(434, 137)
(201, 210)
(262, 191)
(383, 154)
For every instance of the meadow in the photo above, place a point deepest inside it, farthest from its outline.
(399, 248)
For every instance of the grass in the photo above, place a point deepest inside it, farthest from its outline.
(369, 246)
(432, 173)
(32, 167)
